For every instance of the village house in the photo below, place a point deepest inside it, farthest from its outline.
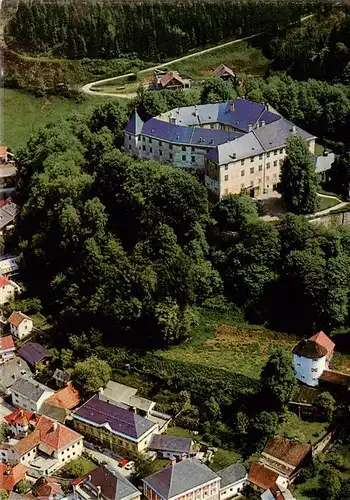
(29, 394)
(188, 479)
(233, 480)
(8, 213)
(44, 450)
(312, 357)
(61, 377)
(116, 393)
(224, 72)
(268, 483)
(21, 325)
(34, 353)
(238, 145)
(286, 458)
(10, 372)
(11, 476)
(167, 446)
(59, 405)
(47, 488)
(8, 265)
(7, 348)
(119, 429)
(8, 290)
(21, 421)
(104, 483)
(169, 80)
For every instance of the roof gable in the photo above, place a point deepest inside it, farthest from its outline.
(168, 77)
(67, 398)
(287, 450)
(113, 485)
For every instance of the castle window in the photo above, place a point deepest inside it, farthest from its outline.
(268, 154)
(160, 152)
(183, 148)
(275, 152)
(170, 146)
(260, 168)
(242, 173)
(267, 165)
(150, 140)
(275, 163)
(150, 150)
(226, 177)
(160, 143)
(242, 162)
(193, 159)
(171, 156)
(260, 157)
(251, 159)
(252, 170)
(183, 157)
(281, 151)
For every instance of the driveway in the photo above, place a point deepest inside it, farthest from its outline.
(102, 457)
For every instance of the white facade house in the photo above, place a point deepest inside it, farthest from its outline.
(29, 394)
(7, 348)
(311, 357)
(8, 290)
(21, 325)
(8, 265)
(233, 480)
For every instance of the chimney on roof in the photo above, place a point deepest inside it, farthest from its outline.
(99, 489)
(54, 426)
(294, 129)
(262, 123)
(89, 477)
(21, 413)
(250, 127)
(100, 390)
(232, 106)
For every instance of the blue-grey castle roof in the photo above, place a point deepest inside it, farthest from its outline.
(254, 129)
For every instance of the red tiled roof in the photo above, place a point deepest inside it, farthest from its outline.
(67, 398)
(46, 487)
(4, 281)
(10, 476)
(170, 76)
(6, 343)
(287, 450)
(262, 477)
(322, 339)
(21, 417)
(334, 377)
(51, 434)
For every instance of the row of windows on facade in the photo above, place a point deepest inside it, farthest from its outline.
(252, 182)
(97, 432)
(184, 158)
(260, 167)
(184, 148)
(312, 369)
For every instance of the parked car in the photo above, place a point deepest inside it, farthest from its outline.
(129, 465)
(123, 462)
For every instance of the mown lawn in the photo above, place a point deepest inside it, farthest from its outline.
(24, 114)
(224, 458)
(226, 341)
(295, 428)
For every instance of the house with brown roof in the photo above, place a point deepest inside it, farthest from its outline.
(311, 357)
(7, 348)
(47, 488)
(11, 476)
(224, 72)
(47, 448)
(285, 457)
(169, 80)
(59, 405)
(21, 325)
(261, 478)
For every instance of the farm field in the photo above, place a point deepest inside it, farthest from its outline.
(23, 113)
(226, 341)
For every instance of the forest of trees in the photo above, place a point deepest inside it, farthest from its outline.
(152, 29)
(128, 248)
(320, 48)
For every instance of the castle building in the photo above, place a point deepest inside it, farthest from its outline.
(238, 145)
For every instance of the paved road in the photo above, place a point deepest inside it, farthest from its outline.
(101, 457)
(87, 88)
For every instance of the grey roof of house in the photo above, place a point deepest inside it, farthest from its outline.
(7, 214)
(246, 145)
(274, 135)
(173, 444)
(11, 371)
(61, 376)
(180, 477)
(232, 474)
(33, 352)
(120, 420)
(125, 395)
(114, 486)
(30, 388)
(323, 162)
